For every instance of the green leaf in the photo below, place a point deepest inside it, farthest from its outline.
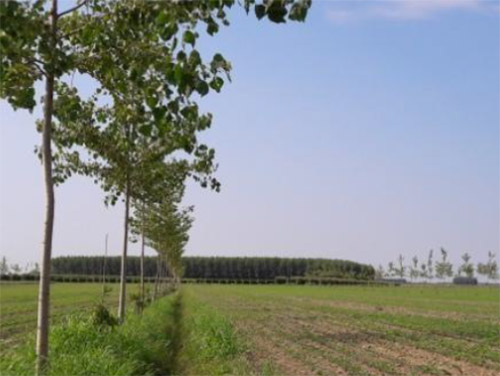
(202, 88)
(260, 11)
(217, 83)
(145, 130)
(178, 73)
(212, 28)
(151, 99)
(189, 37)
(277, 12)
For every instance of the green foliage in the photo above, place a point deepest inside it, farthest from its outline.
(467, 267)
(489, 269)
(444, 268)
(21, 44)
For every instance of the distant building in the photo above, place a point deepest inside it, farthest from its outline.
(464, 281)
(392, 280)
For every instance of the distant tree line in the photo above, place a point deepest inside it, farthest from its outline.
(429, 269)
(220, 267)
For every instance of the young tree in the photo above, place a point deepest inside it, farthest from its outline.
(166, 231)
(401, 270)
(414, 271)
(423, 271)
(444, 268)
(430, 265)
(380, 272)
(467, 267)
(4, 267)
(164, 180)
(35, 269)
(391, 271)
(490, 269)
(15, 269)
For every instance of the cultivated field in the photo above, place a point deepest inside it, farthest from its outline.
(363, 330)
(301, 330)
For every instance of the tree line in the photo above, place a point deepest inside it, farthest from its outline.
(263, 268)
(428, 269)
(134, 130)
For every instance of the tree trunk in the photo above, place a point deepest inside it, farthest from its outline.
(104, 268)
(42, 335)
(123, 271)
(155, 290)
(142, 257)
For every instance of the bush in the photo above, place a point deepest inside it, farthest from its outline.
(281, 280)
(100, 316)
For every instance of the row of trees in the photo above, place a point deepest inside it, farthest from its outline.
(140, 61)
(29, 268)
(144, 72)
(429, 269)
(264, 268)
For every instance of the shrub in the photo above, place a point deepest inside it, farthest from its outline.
(100, 316)
(281, 280)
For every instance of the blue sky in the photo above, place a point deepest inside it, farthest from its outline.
(368, 131)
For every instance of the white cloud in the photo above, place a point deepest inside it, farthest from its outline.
(342, 11)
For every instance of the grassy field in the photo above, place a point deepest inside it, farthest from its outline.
(299, 330)
(18, 304)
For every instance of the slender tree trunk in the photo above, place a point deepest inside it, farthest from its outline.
(123, 271)
(155, 290)
(42, 335)
(142, 256)
(104, 268)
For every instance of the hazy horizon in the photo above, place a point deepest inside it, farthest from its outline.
(368, 131)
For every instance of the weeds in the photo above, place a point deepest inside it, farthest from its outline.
(93, 345)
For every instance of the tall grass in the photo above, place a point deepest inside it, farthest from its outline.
(210, 345)
(80, 347)
(175, 335)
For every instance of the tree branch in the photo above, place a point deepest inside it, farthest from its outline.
(70, 10)
(35, 63)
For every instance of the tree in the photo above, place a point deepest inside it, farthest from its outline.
(380, 272)
(414, 271)
(166, 231)
(390, 270)
(35, 269)
(444, 268)
(164, 182)
(467, 267)
(4, 267)
(423, 271)
(490, 269)
(15, 268)
(430, 266)
(31, 51)
(401, 270)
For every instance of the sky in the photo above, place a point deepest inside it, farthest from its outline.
(369, 131)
